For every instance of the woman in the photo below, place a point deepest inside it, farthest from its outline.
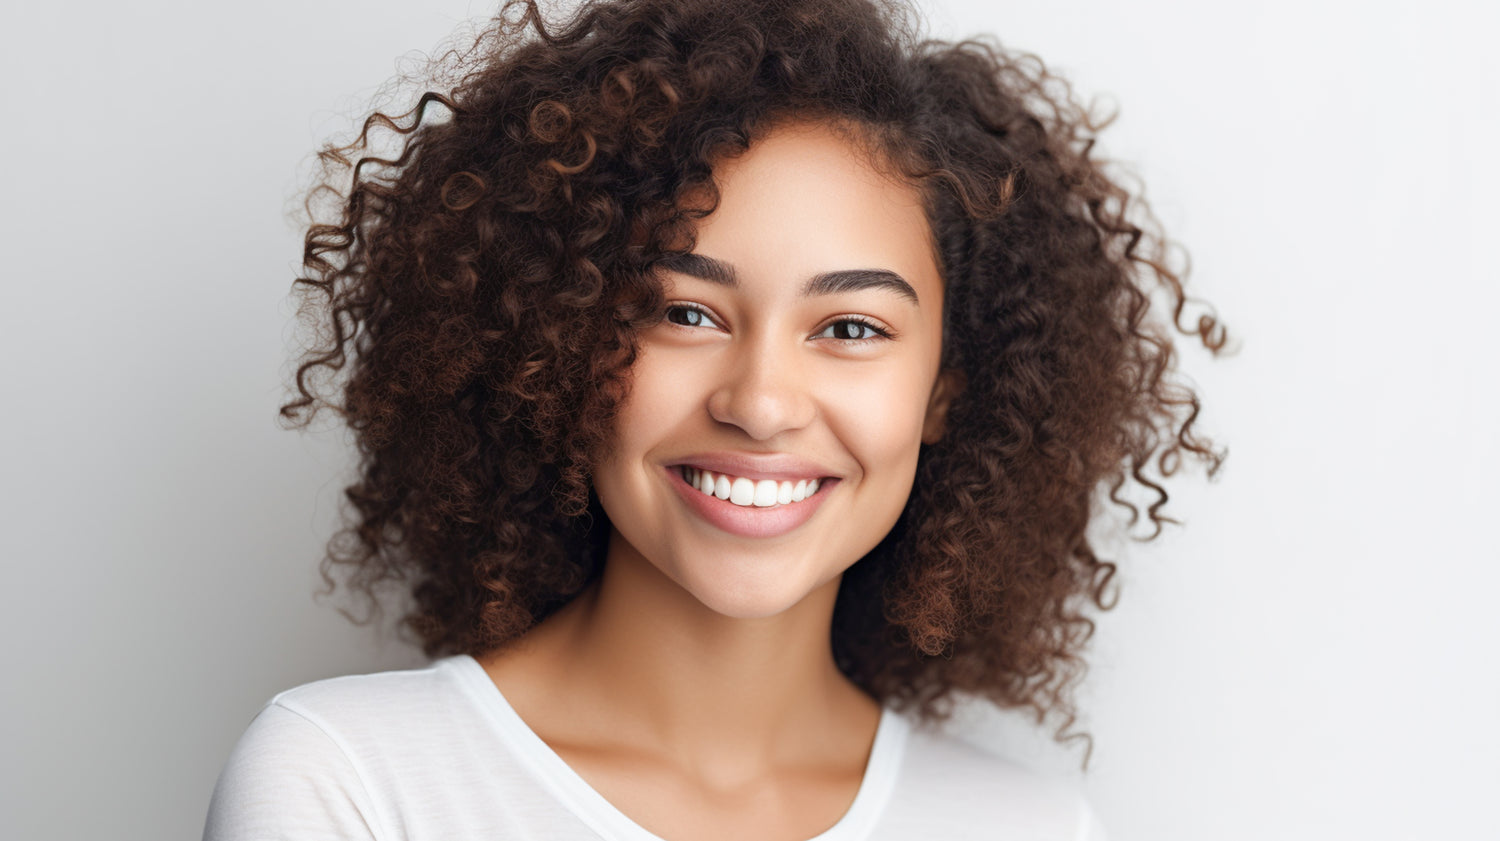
(728, 377)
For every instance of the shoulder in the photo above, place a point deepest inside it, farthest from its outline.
(312, 762)
(354, 708)
(287, 778)
(373, 721)
(962, 791)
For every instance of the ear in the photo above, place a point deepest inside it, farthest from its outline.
(950, 383)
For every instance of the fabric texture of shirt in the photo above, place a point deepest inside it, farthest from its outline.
(437, 754)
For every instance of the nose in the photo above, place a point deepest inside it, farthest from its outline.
(763, 391)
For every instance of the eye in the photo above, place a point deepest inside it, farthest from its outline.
(848, 329)
(687, 315)
(853, 330)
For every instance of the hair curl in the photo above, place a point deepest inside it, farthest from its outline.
(481, 289)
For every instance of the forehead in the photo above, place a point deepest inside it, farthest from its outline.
(806, 199)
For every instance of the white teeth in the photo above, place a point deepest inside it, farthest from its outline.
(765, 493)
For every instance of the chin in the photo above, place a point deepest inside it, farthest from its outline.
(747, 605)
(751, 596)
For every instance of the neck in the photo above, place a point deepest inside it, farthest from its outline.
(648, 664)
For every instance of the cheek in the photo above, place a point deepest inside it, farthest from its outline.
(663, 381)
(658, 399)
(879, 417)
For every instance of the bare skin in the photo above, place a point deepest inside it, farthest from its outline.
(706, 736)
(693, 685)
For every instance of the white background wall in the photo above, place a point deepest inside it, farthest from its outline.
(1313, 656)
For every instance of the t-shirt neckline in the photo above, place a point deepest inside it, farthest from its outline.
(580, 798)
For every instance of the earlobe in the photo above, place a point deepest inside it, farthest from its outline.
(950, 384)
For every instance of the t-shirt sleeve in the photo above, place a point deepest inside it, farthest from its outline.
(288, 780)
(1089, 827)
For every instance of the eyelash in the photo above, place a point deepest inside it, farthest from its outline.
(880, 332)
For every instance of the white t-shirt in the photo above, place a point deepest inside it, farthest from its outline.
(437, 754)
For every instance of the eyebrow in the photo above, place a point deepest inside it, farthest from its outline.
(826, 283)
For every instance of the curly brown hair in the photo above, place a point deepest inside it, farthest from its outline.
(480, 294)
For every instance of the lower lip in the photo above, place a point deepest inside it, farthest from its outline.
(749, 521)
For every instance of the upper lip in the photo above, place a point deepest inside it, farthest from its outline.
(756, 466)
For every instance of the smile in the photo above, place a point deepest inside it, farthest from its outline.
(746, 507)
(746, 493)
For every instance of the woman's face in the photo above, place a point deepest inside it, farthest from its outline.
(801, 342)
